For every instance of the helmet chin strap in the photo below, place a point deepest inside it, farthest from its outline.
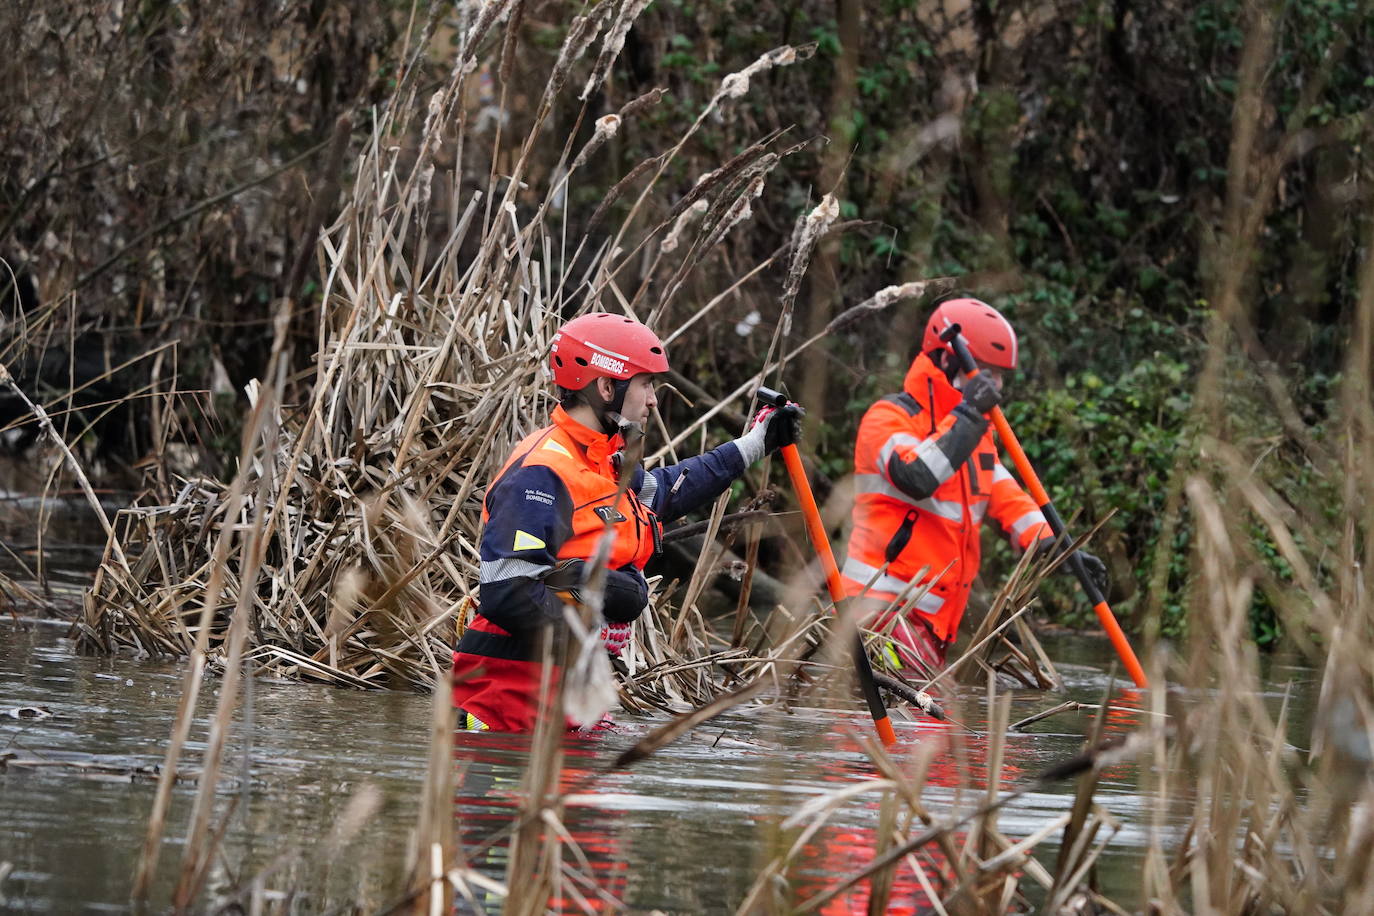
(608, 412)
(612, 422)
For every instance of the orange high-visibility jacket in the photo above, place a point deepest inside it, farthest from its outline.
(926, 476)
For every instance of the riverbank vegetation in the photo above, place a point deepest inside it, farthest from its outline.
(297, 276)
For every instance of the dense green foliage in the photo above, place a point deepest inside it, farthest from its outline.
(1069, 161)
(1083, 194)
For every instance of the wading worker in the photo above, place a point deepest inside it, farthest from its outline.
(927, 474)
(547, 508)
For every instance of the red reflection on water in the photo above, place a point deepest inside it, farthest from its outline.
(836, 853)
(490, 767)
(955, 780)
(1125, 712)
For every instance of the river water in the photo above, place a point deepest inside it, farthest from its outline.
(684, 831)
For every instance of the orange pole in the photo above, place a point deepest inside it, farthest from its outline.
(1042, 499)
(815, 529)
(811, 514)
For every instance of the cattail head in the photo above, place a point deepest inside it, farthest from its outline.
(686, 218)
(737, 84)
(436, 108)
(607, 126)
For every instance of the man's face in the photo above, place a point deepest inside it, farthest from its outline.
(996, 373)
(640, 398)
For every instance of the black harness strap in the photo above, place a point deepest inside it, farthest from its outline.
(904, 401)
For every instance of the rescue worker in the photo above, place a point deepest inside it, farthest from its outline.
(927, 474)
(547, 508)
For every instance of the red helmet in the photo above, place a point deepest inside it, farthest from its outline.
(989, 336)
(603, 345)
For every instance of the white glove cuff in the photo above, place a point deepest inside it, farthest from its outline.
(750, 445)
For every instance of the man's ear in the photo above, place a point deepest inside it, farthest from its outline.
(605, 387)
(944, 361)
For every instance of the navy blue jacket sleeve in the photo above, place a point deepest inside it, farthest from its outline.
(697, 480)
(529, 517)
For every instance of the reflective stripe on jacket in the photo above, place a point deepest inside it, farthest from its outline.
(926, 476)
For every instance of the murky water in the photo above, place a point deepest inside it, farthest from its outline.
(685, 831)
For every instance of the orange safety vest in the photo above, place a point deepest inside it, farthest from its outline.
(939, 534)
(496, 677)
(581, 458)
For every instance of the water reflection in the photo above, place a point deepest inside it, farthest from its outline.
(490, 771)
(48, 544)
(689, 830)
(686, 831)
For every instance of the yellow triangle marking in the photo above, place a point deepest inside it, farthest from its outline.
(553, 446)
(526, 541)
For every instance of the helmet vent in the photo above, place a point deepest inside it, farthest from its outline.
(996, 346)
(559, 361)
(580, 361)
(655, 349)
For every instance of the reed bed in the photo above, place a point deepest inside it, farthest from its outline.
(344, 549)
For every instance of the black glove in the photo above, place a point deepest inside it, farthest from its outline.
(773, 427)
(1096, 569)
(784, 428)
(626, 595)
(980, 394)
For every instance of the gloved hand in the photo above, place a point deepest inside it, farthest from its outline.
(773, 428)
(615, 636)
(980, 394)
(1097, 570)
(627, 594)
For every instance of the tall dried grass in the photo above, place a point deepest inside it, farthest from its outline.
(1278, 812)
